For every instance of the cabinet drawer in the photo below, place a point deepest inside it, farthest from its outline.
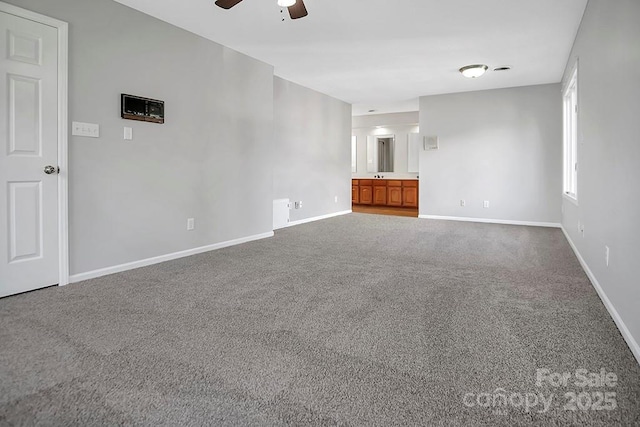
(410, 183)
(365, 182)
(379, 182)
(394, 183)
(354, 182)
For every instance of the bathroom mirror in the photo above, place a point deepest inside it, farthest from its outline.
(380, 153)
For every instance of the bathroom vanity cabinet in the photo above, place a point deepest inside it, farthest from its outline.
(385, 192)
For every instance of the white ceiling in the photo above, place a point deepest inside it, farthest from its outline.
(384, 54)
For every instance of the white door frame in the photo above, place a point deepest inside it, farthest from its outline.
(63, 162)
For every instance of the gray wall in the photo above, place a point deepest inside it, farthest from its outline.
(312, 150)
(398, 124)
(608, 50)
(504, 146)
(211, 160)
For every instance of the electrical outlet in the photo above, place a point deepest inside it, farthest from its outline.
(486, 204)
(191, 224)
(298, 205)
(462, 202)
(606, 255)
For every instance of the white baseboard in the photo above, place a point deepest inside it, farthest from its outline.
(318, 218)
(492, 221)
(631, 342)
(162, 258)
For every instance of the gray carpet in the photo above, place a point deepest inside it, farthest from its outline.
(356, 320)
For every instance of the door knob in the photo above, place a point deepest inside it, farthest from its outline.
(51, 169)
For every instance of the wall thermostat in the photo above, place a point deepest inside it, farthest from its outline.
(430, 143)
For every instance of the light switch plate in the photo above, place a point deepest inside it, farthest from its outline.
(128, 133)
(90, 130)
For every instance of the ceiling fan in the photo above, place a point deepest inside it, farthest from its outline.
(296, 7)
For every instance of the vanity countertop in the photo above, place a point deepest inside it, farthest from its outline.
(388, 178)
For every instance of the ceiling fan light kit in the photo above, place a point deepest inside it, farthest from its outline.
(296, 8)
(473, 71)
(227, 4)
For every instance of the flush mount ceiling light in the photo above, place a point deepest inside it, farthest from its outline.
(473, 71)
(286, 3)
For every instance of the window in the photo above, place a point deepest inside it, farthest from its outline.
(570, 114)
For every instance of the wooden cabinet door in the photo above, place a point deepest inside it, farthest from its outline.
(410, 197)
(394, 196)
(366, 195)
(379, 195)
(355, 194)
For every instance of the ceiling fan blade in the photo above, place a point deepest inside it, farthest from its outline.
(298, 10)
(227, 4)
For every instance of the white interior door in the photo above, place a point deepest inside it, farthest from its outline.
(29, 257)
